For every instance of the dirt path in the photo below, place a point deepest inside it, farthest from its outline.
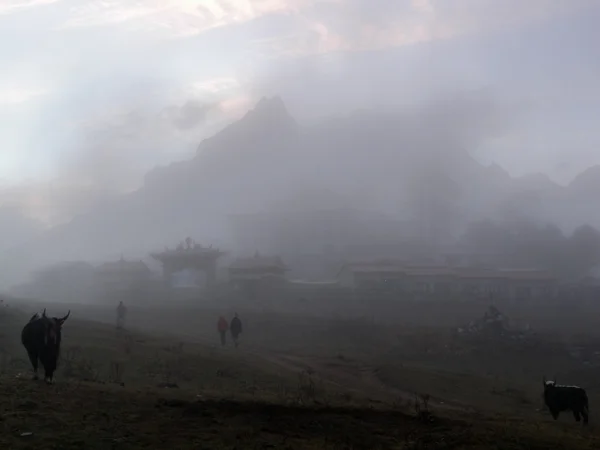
(356, 379)
(360, 379)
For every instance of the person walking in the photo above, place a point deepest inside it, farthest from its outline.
(121, 313)
(222, 327)
(236, 329)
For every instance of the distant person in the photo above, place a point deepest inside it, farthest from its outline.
(222, 327)
(121, 313)
(236, 329)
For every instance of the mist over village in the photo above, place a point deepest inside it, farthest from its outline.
(346, 224)
(366, 198)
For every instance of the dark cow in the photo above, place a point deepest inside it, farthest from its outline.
(41, 338)
(560, 398)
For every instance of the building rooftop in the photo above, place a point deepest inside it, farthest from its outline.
(304, 283)
(187, 250)
(439, 270)
(526, 274)
(429, 271)
(124, 266)
(258, 262)
(65, 266)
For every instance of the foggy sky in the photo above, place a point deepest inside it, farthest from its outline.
(94, 94)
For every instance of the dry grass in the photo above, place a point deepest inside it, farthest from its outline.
(294, 383)
(64, 416)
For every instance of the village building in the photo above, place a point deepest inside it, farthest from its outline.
(585, 288)
(373, 275)
(122, 280)
(193, 257)
(430, 280)
(316, 243)
(461, 257)
(256, 267)
(70, 281)
(389, 277)
(480, 282)
(258, 276)
(530, 283)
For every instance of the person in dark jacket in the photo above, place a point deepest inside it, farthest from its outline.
(121, 313)
(236, 329)
(222, 327)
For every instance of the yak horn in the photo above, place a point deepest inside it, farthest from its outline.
(66, 317)
(44, 313)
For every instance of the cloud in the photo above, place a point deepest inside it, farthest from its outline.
(12, 6)
(109, 155)
(468, 16)
(15, 227)
(93, 143)
(355, 25)
(178, 18)
(52, 203)
(423, 6)
(113, 153)
(115, 148)
(214, 86)
(109, 63)
(18, 95)
(235, 107)
(191, 115)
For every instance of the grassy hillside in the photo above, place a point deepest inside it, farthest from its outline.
(294, 383)
(67, 416)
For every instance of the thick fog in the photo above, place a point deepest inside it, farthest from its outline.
(129, 127)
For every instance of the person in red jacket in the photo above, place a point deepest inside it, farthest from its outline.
(223, 326)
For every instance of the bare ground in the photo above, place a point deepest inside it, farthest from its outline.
(77, 416)
(296, 382)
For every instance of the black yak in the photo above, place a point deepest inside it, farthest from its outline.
(41, 338)
(560, 398)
